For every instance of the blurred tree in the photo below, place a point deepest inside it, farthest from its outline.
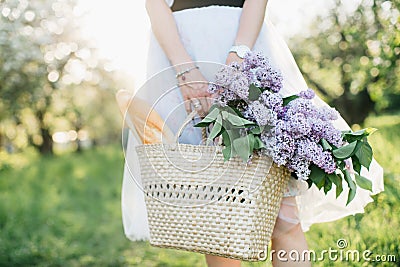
(352, 57)
(49, 76)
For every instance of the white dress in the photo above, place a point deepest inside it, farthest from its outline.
(207, 34)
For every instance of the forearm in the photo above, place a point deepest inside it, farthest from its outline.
(165, 30)
(251, 21)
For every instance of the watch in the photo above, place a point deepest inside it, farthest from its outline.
(240, 50)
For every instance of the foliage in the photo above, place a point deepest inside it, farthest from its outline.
(50, 78)
(352, 57)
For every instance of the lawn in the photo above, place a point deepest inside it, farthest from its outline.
(65, 211)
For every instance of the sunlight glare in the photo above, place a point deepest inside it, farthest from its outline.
(119, 29)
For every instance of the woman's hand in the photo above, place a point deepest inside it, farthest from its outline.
(194, 88)
(233, 57)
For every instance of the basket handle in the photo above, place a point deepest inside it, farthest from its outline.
(185, 123)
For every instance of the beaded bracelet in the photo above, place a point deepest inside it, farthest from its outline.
(182, 73)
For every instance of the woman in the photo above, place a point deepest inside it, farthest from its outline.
(220, 31)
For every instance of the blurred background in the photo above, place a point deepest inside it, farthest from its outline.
(61, 159)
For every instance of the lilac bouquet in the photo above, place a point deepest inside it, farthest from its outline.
(251, 116)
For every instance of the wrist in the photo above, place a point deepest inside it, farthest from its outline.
(181, 74)
(233, 57)
(182, 62)
(240, 50)
(182, 66)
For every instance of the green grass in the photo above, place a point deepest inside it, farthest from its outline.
(65, 211)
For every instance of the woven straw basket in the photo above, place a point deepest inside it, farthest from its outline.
(198, 202)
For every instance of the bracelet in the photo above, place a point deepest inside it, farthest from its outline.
(182, 73)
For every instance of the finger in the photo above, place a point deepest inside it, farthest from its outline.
(186, 98)
(196, 103)
(204, 89)
(187, 103)
(188, 106)
(204, 106)
(206, 98)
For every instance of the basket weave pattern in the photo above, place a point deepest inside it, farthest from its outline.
(198, 202)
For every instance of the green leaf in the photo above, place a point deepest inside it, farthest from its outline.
(229, 135)
(257, 130)
(358, 135)
(321, 183)
(286, 100)
(363, 182)
(202, 124)
(356, 164)
(317, 174)
(364, 155)
(235, 110)
(344, 152)
(309, 183)
(227, 152)
(346, 132)
(334, 178)
(351, 195)
(349, 180)
(366, 131)
(242, 147)
(258, 143)
(339, 190)
(337, 180)
(226, 138)
(352, 186)
(251, 142)
(236, 120)
(216, 129)
(325, 144)
(254, 92)
(327, 185)
(211, 117)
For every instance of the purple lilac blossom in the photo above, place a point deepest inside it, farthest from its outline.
(240, 85)
(214, 88)
(327, 113)
(329, 165)
(300, 166)
(300, 105)
(262, 114)
(280, 127)
(307, 94)
(313, 152)
(317, 128)
(332, 135)
(224, 76)
(273, 101)
(260, 72)
(298, 125)
(253, 60)
(280, 147)
(276, 81)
